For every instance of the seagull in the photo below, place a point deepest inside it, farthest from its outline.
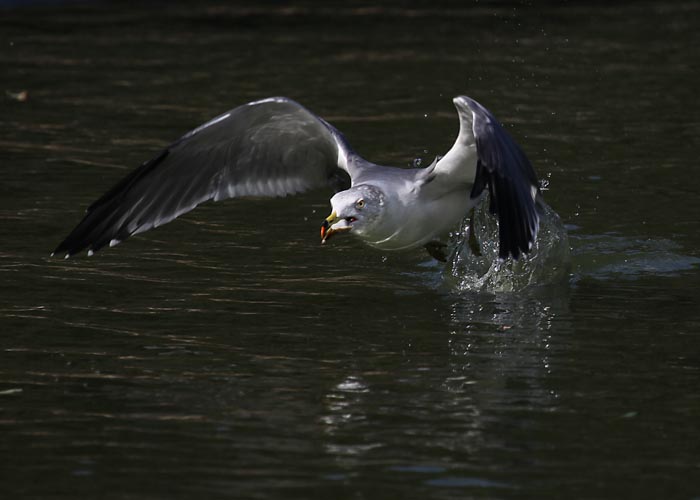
(277, 147)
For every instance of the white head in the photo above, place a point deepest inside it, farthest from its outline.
(355, 210)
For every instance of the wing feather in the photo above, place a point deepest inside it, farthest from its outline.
(501, 165)
(272, 147)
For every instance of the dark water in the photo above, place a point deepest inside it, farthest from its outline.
(229, 354)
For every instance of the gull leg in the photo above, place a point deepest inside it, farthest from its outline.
(437, 250)
(473, 244)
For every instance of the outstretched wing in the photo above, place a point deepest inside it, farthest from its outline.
(489, 157)
(272, 147)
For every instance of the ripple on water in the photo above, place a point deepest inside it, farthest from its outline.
(552, 259)
(610, 256)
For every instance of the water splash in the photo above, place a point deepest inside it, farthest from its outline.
(556, 259)
(548, 262)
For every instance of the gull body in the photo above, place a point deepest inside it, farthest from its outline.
(410, 210)
(276, 147)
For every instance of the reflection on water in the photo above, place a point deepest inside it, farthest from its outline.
(345, 409)
(228, 354)
(498, 363)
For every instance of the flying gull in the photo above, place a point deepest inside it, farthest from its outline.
(276, 147)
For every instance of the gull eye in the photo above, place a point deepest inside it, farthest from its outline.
(360, 203)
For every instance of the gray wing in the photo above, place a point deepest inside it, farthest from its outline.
(272, 147)
(485, 152)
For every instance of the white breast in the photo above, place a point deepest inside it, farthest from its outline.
(419, 218)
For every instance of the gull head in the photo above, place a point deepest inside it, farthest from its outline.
(355, 210)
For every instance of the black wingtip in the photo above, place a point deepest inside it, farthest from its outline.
(64, 250)
(512, 183)
(103, 220)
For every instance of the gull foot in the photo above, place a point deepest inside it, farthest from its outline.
(437, 250)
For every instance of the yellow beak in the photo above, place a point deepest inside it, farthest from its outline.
(328, 229)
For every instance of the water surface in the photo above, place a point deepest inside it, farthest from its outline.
(229, 354)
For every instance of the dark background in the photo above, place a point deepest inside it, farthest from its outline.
(228, 354)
